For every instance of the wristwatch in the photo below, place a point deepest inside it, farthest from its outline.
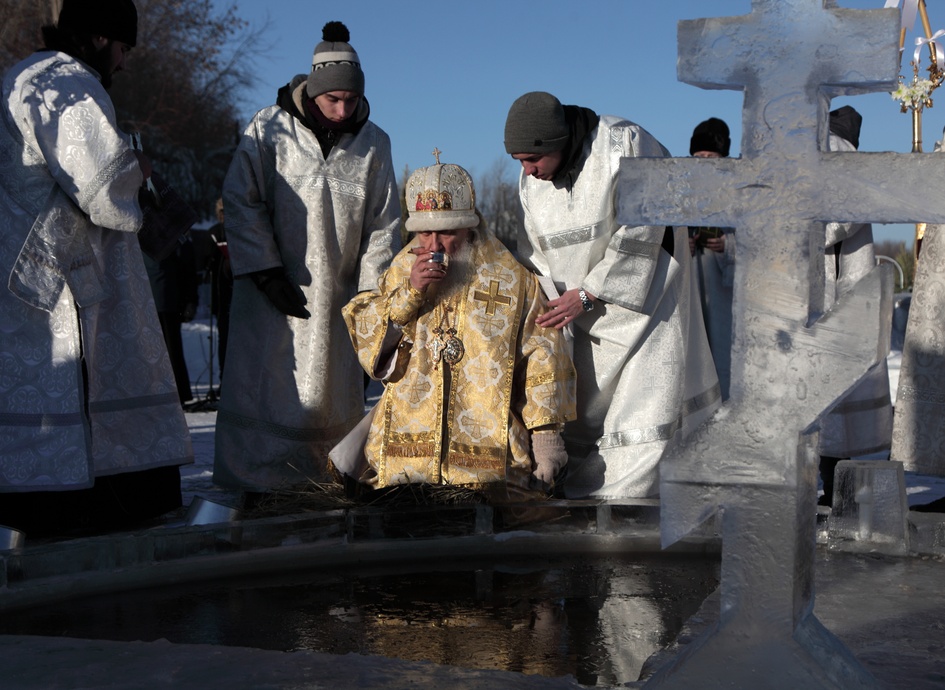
(585, 300)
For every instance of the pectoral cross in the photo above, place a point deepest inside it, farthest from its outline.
(436, 348)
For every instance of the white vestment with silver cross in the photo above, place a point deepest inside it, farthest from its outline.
(645, 372)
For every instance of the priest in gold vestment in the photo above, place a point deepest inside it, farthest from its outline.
(475, 392)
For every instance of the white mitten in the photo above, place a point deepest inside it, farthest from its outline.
(549, 453)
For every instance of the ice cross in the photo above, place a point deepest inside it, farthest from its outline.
(756, 461)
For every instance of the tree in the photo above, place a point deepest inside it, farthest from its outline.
(498, 202)
(902, 256)
(181, 89)
(906, 260)
(402, 188)
(187, 73)
(20, 32)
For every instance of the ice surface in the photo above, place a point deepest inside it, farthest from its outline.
(756, 461)
(870, 509)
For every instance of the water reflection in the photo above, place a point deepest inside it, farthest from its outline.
(596, 619)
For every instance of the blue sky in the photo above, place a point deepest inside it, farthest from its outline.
(444, 74)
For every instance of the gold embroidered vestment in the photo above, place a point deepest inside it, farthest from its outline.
(465, 423)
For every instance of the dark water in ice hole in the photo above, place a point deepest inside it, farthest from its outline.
(597, 619)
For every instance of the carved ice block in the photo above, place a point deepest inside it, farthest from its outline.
(870, 509)
(755, 462)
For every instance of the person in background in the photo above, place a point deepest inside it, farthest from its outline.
(92, 433)
(312, 218)
(221, 283)
(861, 422)
(713, 251)
(174, 288)
(645, 373)
(476, 392)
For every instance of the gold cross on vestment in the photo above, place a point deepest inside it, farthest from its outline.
(490, 325)
(492, 297)
(475, 426)
(364, 323)
(496, 271)
(436, 154)
(481, 374)
(417, 390)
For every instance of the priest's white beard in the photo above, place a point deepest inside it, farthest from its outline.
(458, 274)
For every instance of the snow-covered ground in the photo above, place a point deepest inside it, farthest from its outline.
(197, 479)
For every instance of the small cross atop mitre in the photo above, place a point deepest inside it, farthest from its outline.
(436, 154)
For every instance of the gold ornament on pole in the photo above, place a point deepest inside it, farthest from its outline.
(917, 95)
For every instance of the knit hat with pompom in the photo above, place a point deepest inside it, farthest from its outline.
(335, 64)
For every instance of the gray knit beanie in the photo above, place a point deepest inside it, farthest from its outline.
(335, 64)
(536, 124)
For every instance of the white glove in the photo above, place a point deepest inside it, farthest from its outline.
(549, 453)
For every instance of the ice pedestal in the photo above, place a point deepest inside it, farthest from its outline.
(870, 509)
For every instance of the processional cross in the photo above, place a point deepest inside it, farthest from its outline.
(755, 462)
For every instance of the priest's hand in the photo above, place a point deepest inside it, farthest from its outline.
(716, 244)
(564, 309)
(285, 295)
(549, 453)
(425, 271)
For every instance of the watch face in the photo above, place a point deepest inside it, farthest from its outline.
(585, 302)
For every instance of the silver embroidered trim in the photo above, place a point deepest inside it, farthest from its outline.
(854, 406)
(567, 238)
(661, 432)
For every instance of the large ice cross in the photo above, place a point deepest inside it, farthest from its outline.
(756, 461)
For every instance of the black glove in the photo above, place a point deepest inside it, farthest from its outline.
(284, 295)
(188, 313)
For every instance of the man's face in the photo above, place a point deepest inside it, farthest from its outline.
(707, 154)
(541, 166)
(109, 58)
(338, 106)
(447, 241)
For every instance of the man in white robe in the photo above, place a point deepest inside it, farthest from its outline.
(645, 372)
(860, 423)
(713, 252)
(91, 428)
(918, 439)
(312, 218)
